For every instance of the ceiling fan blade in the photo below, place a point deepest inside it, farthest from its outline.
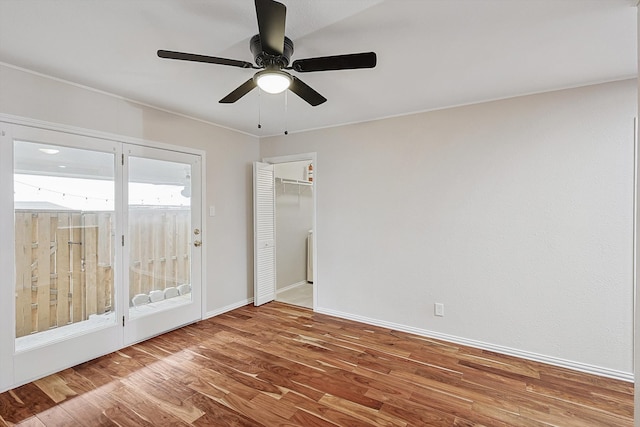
(169, 54)
(271, 21)
(239, 92)
(305, 92)
(338, 62)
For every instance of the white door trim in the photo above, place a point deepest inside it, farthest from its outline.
(7, 265)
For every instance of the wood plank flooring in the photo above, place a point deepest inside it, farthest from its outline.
(280, 365)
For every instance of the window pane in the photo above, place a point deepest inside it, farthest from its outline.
(159, 230)
(65, 230)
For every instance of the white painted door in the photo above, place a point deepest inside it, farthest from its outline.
(86, 221)
(67, 214)
(162, 242)
(264, 232)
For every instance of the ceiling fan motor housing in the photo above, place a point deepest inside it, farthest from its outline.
(263, 59)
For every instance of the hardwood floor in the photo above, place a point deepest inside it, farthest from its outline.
(280, 365)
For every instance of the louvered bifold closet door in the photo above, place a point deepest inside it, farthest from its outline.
(264, 233)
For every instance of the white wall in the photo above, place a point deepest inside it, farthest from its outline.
(517, 215)
(229, 156)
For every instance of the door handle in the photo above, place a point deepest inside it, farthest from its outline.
(197, 243)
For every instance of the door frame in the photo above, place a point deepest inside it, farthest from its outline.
(313, 157)
(7, 264)
(8, 366)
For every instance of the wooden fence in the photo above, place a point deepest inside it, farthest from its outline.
(159, 249)
(64, 262)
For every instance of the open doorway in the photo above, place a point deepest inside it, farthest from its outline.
(294, 212)
(278, 271)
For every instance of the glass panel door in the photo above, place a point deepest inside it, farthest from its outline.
(164, 239)
(65, 250)
(106, 247)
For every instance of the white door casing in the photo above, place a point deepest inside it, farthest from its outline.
(7, 299)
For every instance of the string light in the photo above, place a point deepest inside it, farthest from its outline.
(82, 197)
(61, 193)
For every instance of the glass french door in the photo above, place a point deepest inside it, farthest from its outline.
(106, 245)
(162, 242)
(67, 213)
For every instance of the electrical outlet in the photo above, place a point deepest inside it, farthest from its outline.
(438, 309)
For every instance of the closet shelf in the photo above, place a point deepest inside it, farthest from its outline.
(294, 181)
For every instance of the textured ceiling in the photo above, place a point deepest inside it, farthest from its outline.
(431, 53)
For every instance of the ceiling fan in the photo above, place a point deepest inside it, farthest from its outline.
(272, 51)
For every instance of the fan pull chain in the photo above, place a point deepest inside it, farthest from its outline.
(259, 111)
(286, 109)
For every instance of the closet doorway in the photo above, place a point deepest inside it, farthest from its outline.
(294, 232)
(284, 219)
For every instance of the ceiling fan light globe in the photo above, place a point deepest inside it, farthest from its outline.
(273, 81)
(49, 150)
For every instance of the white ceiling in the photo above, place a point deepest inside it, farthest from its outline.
(431, 53)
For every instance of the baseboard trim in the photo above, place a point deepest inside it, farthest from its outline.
(227, 308)
(295, 285)
(550, 360)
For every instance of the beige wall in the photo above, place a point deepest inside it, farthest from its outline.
(517, 215)
(229, 155)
